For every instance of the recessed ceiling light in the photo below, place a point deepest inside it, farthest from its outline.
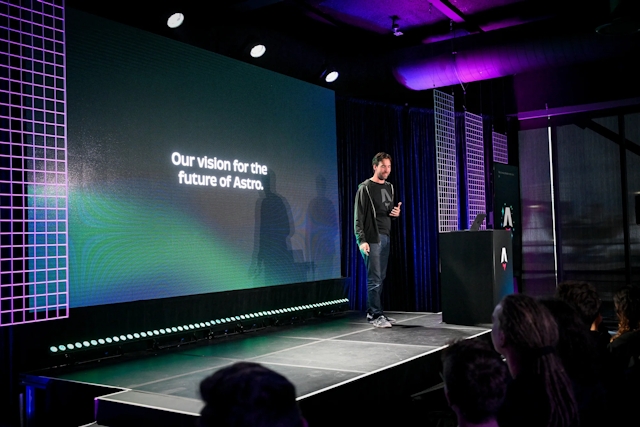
(258, 50)
(175, 20)
(331, 76)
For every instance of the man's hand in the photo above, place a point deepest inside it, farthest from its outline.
(364, 248)
(396, 210)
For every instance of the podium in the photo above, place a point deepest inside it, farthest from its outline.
(476, 271)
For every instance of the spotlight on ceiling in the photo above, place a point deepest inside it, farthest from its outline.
(175, 20)
(257, 50)
(254, 46)
(330, 75)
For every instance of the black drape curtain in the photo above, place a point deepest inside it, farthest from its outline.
(365, 128)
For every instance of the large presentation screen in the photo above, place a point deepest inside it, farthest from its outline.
(190, 172)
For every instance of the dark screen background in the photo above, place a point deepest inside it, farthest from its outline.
(135, 232)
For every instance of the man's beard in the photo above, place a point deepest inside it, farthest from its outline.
(381, 176)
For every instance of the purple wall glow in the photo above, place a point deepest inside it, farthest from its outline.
(33, 169)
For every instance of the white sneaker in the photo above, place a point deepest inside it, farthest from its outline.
(389, 319)
(381, 322)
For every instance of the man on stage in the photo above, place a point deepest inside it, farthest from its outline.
(373, 212)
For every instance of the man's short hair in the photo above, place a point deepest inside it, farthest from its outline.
(583, 296)
(475, 378)
(248, 394)
(380, 157)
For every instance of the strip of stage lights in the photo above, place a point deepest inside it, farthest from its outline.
(116, 339)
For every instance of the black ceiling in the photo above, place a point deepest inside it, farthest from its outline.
(357, 36)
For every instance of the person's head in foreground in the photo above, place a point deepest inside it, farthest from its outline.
(475, 381)
(526, 334)
(247, 394)
(584, 297)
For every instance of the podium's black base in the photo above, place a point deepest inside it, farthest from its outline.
(476, 272)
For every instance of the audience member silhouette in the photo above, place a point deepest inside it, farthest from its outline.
(540, 392)
(626, 302)
(248, 394)
(475, 381)
(580, 359)
(625, 348)
(584, 297)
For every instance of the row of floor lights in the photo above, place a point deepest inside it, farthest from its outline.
(175, 329)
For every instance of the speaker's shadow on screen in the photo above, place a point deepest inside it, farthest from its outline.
(321, 236)
(273, 261)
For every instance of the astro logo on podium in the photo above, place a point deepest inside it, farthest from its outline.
(503, 258)
(507, 220)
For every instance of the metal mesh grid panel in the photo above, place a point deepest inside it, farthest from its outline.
(446, 160)
(33, 169)
(474, 142)
(500, 152)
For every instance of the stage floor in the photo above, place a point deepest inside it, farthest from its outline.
(330, 359)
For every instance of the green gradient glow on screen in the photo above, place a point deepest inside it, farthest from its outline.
(137, 230)
(117, 246)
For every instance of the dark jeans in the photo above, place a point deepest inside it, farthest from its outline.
(376, 264)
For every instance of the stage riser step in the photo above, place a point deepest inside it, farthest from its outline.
(50, 401)
(113, 414)
(135, 408)
(397, 384)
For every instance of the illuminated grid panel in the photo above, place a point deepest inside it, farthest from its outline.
(500, 152)
(33, 170)
(474, 142)
(446, 160)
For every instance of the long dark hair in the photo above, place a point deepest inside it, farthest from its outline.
(627, 305)
(530, 329)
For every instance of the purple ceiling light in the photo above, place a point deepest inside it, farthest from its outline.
(500, 57)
